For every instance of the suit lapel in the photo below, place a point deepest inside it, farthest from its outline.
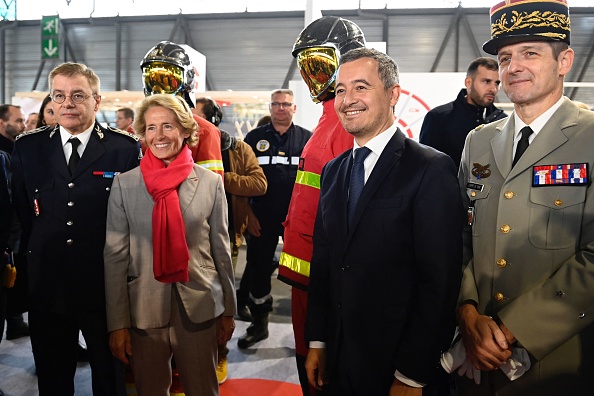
(342, 190)
(387, 160)
(188, 189)
(56, 153)
(502, 145)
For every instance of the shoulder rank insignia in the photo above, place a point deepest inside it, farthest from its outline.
(44, 128)
(481, 171)
(560, 175)
(131, 135)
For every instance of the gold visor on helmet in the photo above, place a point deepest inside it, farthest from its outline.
(318, 67)
(161, 77)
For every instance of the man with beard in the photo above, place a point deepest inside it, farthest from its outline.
(445, 127)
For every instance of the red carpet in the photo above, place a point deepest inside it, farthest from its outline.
(259, 387)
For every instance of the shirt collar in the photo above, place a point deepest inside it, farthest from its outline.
(539, 122)
(83, 137)
(379, 142)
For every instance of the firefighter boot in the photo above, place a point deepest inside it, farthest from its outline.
(258, 329)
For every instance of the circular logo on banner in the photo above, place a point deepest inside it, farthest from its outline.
(410, 112)
(262, 145)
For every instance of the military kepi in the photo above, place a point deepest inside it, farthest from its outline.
(515, 21)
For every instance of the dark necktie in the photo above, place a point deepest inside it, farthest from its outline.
(522, 144)
(74, 157)
(357, 179)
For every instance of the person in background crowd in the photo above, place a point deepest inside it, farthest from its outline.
(445, 127)
(278, 146)
(243, 178)
(528, 287)
(380, 302)
(264, 120)
(46, 113)
(168, 271)
(61, 181)
(6, 217)
(169, 68)
(31, 122)
(125, 119)
(12, 124)
(317, 49)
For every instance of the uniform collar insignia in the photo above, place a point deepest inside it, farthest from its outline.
(99, 131)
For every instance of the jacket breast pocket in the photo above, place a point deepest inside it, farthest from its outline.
(478, 194)
(556, 216)
(42, 197)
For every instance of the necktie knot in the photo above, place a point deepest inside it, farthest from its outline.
(523, 143)
(526, 132)
(361, 153)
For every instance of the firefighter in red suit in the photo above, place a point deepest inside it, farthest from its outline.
(169, 68)
(317, 49)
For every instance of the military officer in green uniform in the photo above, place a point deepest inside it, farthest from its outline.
(527, 296)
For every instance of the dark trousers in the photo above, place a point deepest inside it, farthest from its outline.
(260, 253)
(54, 340)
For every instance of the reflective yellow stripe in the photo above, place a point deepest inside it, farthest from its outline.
(294, 264)
(308, 179)
(213, 165)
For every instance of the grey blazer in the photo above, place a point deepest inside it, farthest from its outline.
(134, 298)
(531, 248)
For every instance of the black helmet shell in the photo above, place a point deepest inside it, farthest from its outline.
(330, 31)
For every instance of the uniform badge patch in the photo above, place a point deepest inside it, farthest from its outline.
(560, 175)
(263, 145)
(481, 171)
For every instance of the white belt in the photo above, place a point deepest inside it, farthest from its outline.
(278, 160)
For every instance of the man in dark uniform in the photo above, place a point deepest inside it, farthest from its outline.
(61, 181)
(278, 146)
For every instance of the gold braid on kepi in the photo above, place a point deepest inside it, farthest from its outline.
(515, 21)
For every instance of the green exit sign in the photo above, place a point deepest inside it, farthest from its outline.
(50, 30)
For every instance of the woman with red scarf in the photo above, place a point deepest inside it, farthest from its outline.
(168, 273)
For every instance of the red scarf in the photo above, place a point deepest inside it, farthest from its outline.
(170, 250)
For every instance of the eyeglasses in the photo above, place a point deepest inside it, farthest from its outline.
(77, 98)
(284, 105)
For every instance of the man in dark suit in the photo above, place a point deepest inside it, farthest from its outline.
(385, 274)
(61, 182)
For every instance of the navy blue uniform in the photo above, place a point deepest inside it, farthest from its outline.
(278, 155)
(63, 219)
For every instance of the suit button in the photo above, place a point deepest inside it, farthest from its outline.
(107, 188)
(69, 222)
(582, 315)
(70, 185)
(560, 293)
(558, 202)
(499, 297)
(473, 194)
(509, 194)
(501, 263)
(505, 228)
(69, 242)
(70, 203)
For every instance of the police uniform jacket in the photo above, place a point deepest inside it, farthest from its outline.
(278, 155)
(531, 246)
(64, 216)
